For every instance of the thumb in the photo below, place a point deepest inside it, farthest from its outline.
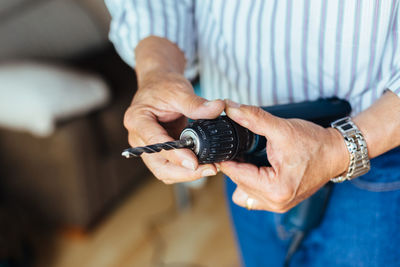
(196, 107)
(253, 118)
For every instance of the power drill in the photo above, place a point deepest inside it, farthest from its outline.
(222, 139)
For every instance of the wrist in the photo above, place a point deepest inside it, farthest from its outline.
(156, 54)
(340, 156)
(158, 79)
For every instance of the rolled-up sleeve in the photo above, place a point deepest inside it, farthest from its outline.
(134, 20)
(394, 85)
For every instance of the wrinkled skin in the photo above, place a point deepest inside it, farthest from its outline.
(303, 157)
(158, 113)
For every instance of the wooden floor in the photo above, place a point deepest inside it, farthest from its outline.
(146, 230)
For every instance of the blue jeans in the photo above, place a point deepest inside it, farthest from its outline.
(361, 226)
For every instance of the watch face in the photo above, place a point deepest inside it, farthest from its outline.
(347, 127)
(340, 122)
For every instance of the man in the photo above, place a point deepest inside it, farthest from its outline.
(263, 53)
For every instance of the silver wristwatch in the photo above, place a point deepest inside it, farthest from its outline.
(355, 142)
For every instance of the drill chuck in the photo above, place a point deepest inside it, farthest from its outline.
(217, 140)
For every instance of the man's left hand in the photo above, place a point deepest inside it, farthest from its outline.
(303, 157)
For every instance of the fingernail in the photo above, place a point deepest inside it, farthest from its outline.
(188, 165)
(208, 172)
(232, 104)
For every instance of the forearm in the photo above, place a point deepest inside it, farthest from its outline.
(380, 124)
(158, 54)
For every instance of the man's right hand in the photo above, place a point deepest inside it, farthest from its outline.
(158, 113)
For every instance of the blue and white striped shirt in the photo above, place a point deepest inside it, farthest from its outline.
(268, 52)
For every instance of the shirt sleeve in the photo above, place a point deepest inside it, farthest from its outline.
(134, 20)
(394, 83)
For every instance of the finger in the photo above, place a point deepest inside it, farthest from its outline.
(241, 198)
(143, 126)
(145, 130)
(170, 173)
(262, 183)
(253, 118)
(195, 107)
(248, 175)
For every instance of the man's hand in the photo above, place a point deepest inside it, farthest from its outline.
(160, 108)
(158, 113)
(303, 157)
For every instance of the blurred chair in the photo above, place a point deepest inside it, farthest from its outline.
(74, 176)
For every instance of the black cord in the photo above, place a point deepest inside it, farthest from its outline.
(293, 247)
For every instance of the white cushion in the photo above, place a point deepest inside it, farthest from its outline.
(34, 96)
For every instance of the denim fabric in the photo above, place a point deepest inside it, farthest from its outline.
(361, 226)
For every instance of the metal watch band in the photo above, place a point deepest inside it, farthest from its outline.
(355, 142)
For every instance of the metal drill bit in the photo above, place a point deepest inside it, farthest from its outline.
(137, 151)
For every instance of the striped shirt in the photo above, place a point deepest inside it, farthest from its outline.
(270, 52)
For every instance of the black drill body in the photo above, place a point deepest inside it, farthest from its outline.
(222, 139)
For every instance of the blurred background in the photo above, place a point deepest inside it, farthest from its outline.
(67, 197)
